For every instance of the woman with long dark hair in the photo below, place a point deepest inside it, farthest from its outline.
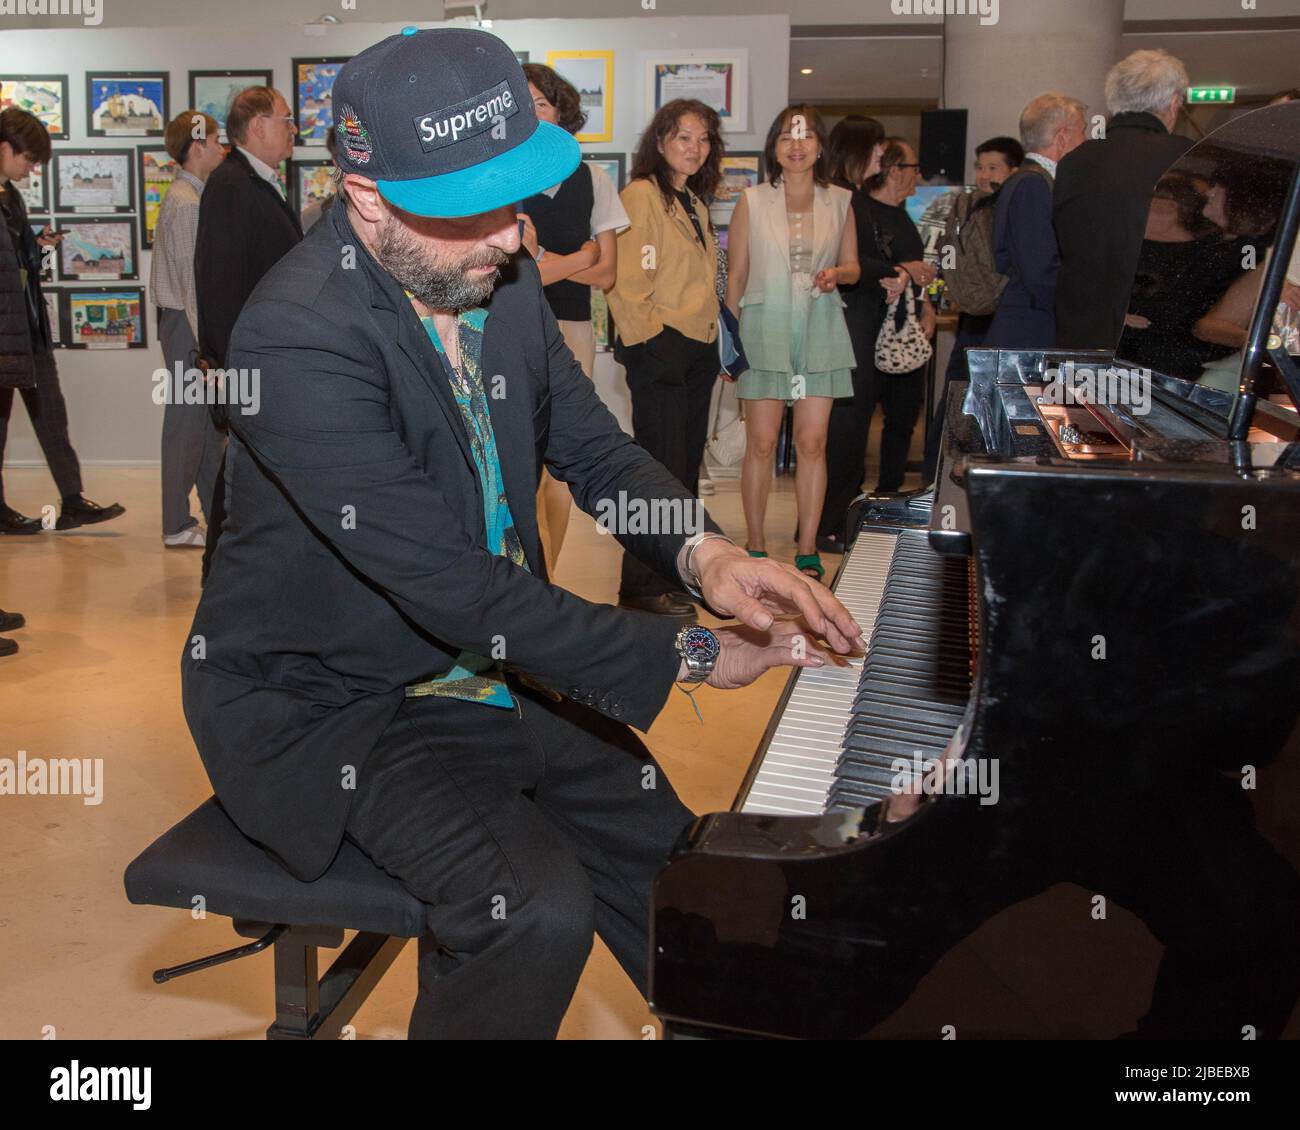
(791, 245)
(665, 309)
(570, 229)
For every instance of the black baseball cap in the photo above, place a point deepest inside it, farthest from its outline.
(442, 121)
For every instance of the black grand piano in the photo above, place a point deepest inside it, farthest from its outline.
(1060, 796)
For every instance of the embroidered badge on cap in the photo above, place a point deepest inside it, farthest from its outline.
(353, 136)
(466, 119)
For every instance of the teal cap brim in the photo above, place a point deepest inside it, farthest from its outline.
(545, 159)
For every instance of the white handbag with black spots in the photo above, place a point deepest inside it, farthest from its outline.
(902, 349)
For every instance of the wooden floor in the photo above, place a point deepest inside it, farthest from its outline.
(97, 676)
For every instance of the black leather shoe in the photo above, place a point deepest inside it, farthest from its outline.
(662, 605)
(11, 621)
(7, 647)
(11, 522)
(829, 543)
(86, 513)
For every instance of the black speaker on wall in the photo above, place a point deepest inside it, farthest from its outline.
(943, 145)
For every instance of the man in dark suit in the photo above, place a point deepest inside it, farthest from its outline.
(1024, 245)
(245, 227)
(1103, 194)
(378, 654)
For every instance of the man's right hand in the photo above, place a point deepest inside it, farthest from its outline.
(745, 653)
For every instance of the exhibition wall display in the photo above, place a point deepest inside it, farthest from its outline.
(106, 94)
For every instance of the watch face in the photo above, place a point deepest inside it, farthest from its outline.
(700, 644)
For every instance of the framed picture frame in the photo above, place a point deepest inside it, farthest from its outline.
(313, 97)
(104, 317)
(602, 323)
(592, 73)
(157, 169)
(93, 180)
(46, 96)
(53, 310)
(98, 247)
(211, 92)
(614, 165)
(126, 103)
(741, 169)
(312, 187)
(35, 191)
(718, 77)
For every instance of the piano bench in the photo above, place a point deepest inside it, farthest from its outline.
(206, 856)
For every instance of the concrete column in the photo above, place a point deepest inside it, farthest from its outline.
(1035, 46)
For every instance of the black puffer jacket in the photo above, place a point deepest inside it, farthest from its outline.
(17, 347)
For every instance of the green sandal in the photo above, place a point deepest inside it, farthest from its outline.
(810, 564)
(756, 552)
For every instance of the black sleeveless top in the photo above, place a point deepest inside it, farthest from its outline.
(563, 225)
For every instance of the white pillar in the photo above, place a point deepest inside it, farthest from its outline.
(1036, 45)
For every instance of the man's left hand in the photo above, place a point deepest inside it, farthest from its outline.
(755, 589)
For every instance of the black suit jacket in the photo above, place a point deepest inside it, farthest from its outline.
(1103, 193)
(245, 228)
(353, 561)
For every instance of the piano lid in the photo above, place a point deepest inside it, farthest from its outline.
(1212, 247)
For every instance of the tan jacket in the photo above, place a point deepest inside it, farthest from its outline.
(665, 276)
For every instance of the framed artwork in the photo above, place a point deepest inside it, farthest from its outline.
(93, 180)
(313, 97)
(740, 170)
(48, 254)
(157, 171)
(312, 187)
(35, 190)
(104, 317)
(46, 96)
(211, 92)
(612, 163)
(592, 73)
(718, 78)
(53, 303)
(126, 103)
(99, 248)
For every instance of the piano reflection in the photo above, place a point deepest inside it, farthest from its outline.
(1058, 796)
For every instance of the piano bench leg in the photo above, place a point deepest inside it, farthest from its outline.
(311, 1009)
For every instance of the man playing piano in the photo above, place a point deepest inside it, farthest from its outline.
(378, 654)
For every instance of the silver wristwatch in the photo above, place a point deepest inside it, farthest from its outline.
(699, 649)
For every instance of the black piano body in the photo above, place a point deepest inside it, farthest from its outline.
(1135, 596)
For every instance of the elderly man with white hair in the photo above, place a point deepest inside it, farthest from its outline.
(1103, 193)
(1024, 244)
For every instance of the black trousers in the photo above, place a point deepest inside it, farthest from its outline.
(671, 379)
(49, 416)
(899, 398)
(524, 831)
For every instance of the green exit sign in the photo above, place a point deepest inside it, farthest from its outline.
(1199, 94)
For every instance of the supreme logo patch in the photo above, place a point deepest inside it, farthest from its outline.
(475, 115)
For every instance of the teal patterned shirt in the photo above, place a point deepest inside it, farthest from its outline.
(477, 678)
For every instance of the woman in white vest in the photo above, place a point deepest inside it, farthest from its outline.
(791, 244)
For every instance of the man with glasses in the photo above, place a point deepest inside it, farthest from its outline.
(1024, 242)
(245, 227)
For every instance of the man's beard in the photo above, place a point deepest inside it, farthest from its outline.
(439, 283)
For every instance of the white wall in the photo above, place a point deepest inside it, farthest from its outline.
(113, 417)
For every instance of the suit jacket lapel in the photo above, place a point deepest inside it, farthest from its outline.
(779, 222)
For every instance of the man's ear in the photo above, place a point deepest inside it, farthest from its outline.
(362, 194)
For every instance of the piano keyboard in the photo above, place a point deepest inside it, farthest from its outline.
(798, 764)
(840, 729)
